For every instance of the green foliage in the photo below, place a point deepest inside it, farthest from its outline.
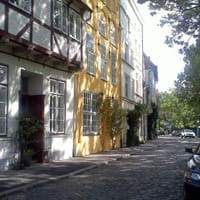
(188, 82)
(174, 111)
(112, 115)
(182, 16)
(28, 127)
(133, 120)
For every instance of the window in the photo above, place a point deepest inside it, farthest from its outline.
(90, 54)
(113, 67)
(102, 27)
(127, 86)
(112, 35)
(57, 106)
(103, 61)
(126, 52)
(60, 15)
(75, 25)
(90, 114)
(132, 89)
(3, 99)
(108, 3)
(23, 4)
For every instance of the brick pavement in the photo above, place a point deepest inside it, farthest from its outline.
(152, 171)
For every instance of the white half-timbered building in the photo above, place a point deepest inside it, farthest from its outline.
(40, 50)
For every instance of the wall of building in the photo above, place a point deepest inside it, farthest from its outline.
(86, 144)
(59, 146)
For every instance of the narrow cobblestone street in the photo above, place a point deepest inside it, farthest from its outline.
(154, 172)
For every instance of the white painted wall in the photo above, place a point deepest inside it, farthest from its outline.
(60, 146)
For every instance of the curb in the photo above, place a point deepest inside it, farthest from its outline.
(56, 178)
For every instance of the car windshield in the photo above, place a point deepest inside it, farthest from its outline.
(187, 130)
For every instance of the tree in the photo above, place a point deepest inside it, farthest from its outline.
(174, 112)
(188, 82)
(183, 17)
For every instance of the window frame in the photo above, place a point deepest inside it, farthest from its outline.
(102, 27)
(112, 35)
(18, 5)
(63, 28)
(5, 85)
(90, 114)
(126, 85)
(75, 29)
(90, 54)
(113, 59)
(54, 110)
(103, 61)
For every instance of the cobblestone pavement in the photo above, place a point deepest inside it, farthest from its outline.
(153, 172)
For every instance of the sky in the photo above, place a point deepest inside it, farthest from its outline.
(168, 60)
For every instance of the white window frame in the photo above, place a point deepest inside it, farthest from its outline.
(90, 114)
(75, 25)
(102, 49)
(3, 99)
(57, 106)
(60, 15)
(90, 54)
(113, 68)
(22, 4)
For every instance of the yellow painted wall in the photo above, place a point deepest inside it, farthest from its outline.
(83, 81)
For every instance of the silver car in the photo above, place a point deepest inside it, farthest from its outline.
(187, 133)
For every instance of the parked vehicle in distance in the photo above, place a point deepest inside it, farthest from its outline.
(192, 175)
(176, 133)
(187, 133)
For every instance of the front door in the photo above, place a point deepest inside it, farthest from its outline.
(32, 105)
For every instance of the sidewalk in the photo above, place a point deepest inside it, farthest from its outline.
(38, 174)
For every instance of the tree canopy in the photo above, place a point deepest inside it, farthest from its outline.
(188, 82)
(175, 113)
(183, 17)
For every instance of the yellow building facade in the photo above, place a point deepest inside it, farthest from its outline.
(100, 77)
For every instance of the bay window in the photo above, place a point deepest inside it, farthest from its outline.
(3, 99)
(57, 106)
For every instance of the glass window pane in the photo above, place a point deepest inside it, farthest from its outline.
(2, 126)
(3, 74)
(2, 109)
(57, 14)
(3, 94)
(61, 87)
(53, 86)
(72, 23)
(78, 27)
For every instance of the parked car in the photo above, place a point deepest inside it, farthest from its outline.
(192, 175)
(176, 133)
(187, 133)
